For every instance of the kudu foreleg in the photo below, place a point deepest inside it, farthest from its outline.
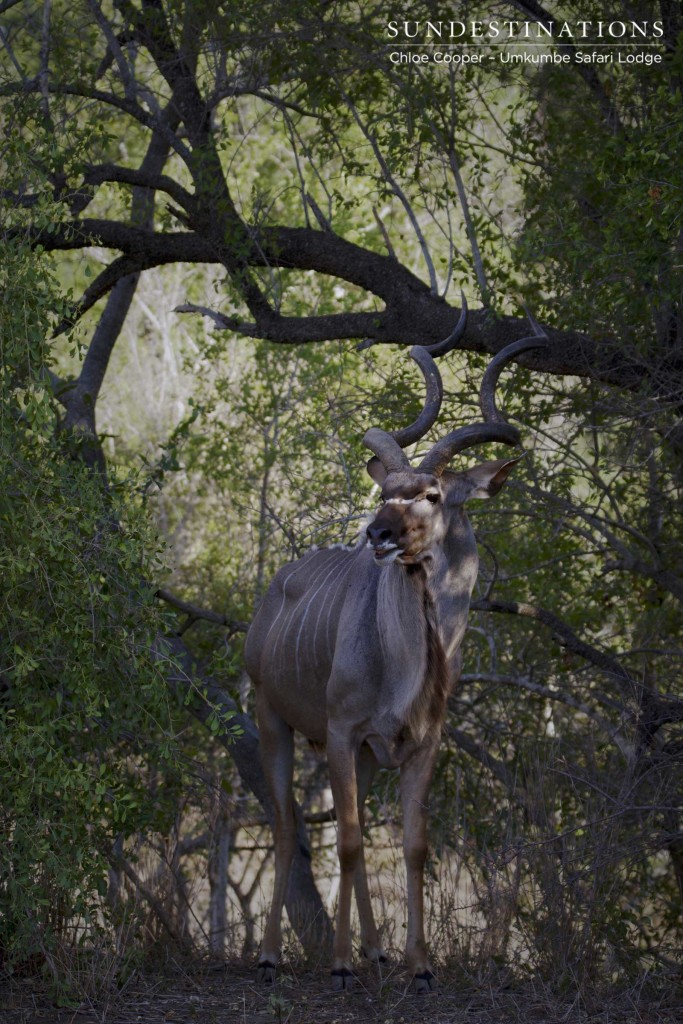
(343, 780)
(416, 777)
(370, 944)
(277, 751)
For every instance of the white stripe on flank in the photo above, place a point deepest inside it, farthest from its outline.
(296, 567)
(330, 603)
(303, 617)
(321, 570)
(323, 605)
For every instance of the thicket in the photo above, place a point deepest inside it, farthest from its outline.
(88, 750)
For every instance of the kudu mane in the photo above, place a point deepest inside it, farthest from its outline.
(412, 651)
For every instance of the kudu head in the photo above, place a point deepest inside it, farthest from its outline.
(417, 502)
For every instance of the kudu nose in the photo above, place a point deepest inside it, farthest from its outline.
(378, 535)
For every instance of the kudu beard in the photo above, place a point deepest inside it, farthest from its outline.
(428, 701)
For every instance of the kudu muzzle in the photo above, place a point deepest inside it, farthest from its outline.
(385, 531)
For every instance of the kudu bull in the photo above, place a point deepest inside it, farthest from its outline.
(358, 649)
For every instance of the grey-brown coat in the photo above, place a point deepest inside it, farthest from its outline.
(359, 649)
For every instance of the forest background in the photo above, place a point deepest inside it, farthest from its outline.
(221, 225)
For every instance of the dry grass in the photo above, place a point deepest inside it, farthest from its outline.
(230, 996)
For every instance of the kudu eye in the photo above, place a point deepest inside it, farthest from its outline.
(433, 497)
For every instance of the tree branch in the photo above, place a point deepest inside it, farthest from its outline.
(122, 277)
(112, 274)
(289, 330)
(195, 612)
(652, 709)
(400, 194)
(157, 906)
(412, 314)
(44, 73)
(628, 686)
(149, 120)
(141, 178)
(114, 47)
(552, 693)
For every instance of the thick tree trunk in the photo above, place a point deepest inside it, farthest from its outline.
(79, 398)
(219, 859)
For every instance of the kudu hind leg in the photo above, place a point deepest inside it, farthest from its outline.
(277, 753)
(416, 777)
(370, 944)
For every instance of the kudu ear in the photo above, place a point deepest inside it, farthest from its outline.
(376, 470)
(484, 480)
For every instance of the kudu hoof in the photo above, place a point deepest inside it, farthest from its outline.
(343, 980)
(424, 982)
(266, 973)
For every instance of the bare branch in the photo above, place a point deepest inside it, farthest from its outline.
(281, 104)
(152, 121)
(412, 314)
(317, 212)
(552, 693)
(121, 39)
(99, 173)
(650, 709)
(43, 74)
(479, 270)
(195, 613)
(223, 322)
(384, 233)
(626, 560)
(114, 47)
(103, 283)
(157, 906)
(288, 330)
(628, 685)
(206, 699)
(662, 577)
(4, 38)
(399, 193)
(122, 276)
(493, 764)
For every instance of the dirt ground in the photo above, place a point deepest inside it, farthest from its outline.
(231, 996)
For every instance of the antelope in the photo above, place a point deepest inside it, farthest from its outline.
(359, 649)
